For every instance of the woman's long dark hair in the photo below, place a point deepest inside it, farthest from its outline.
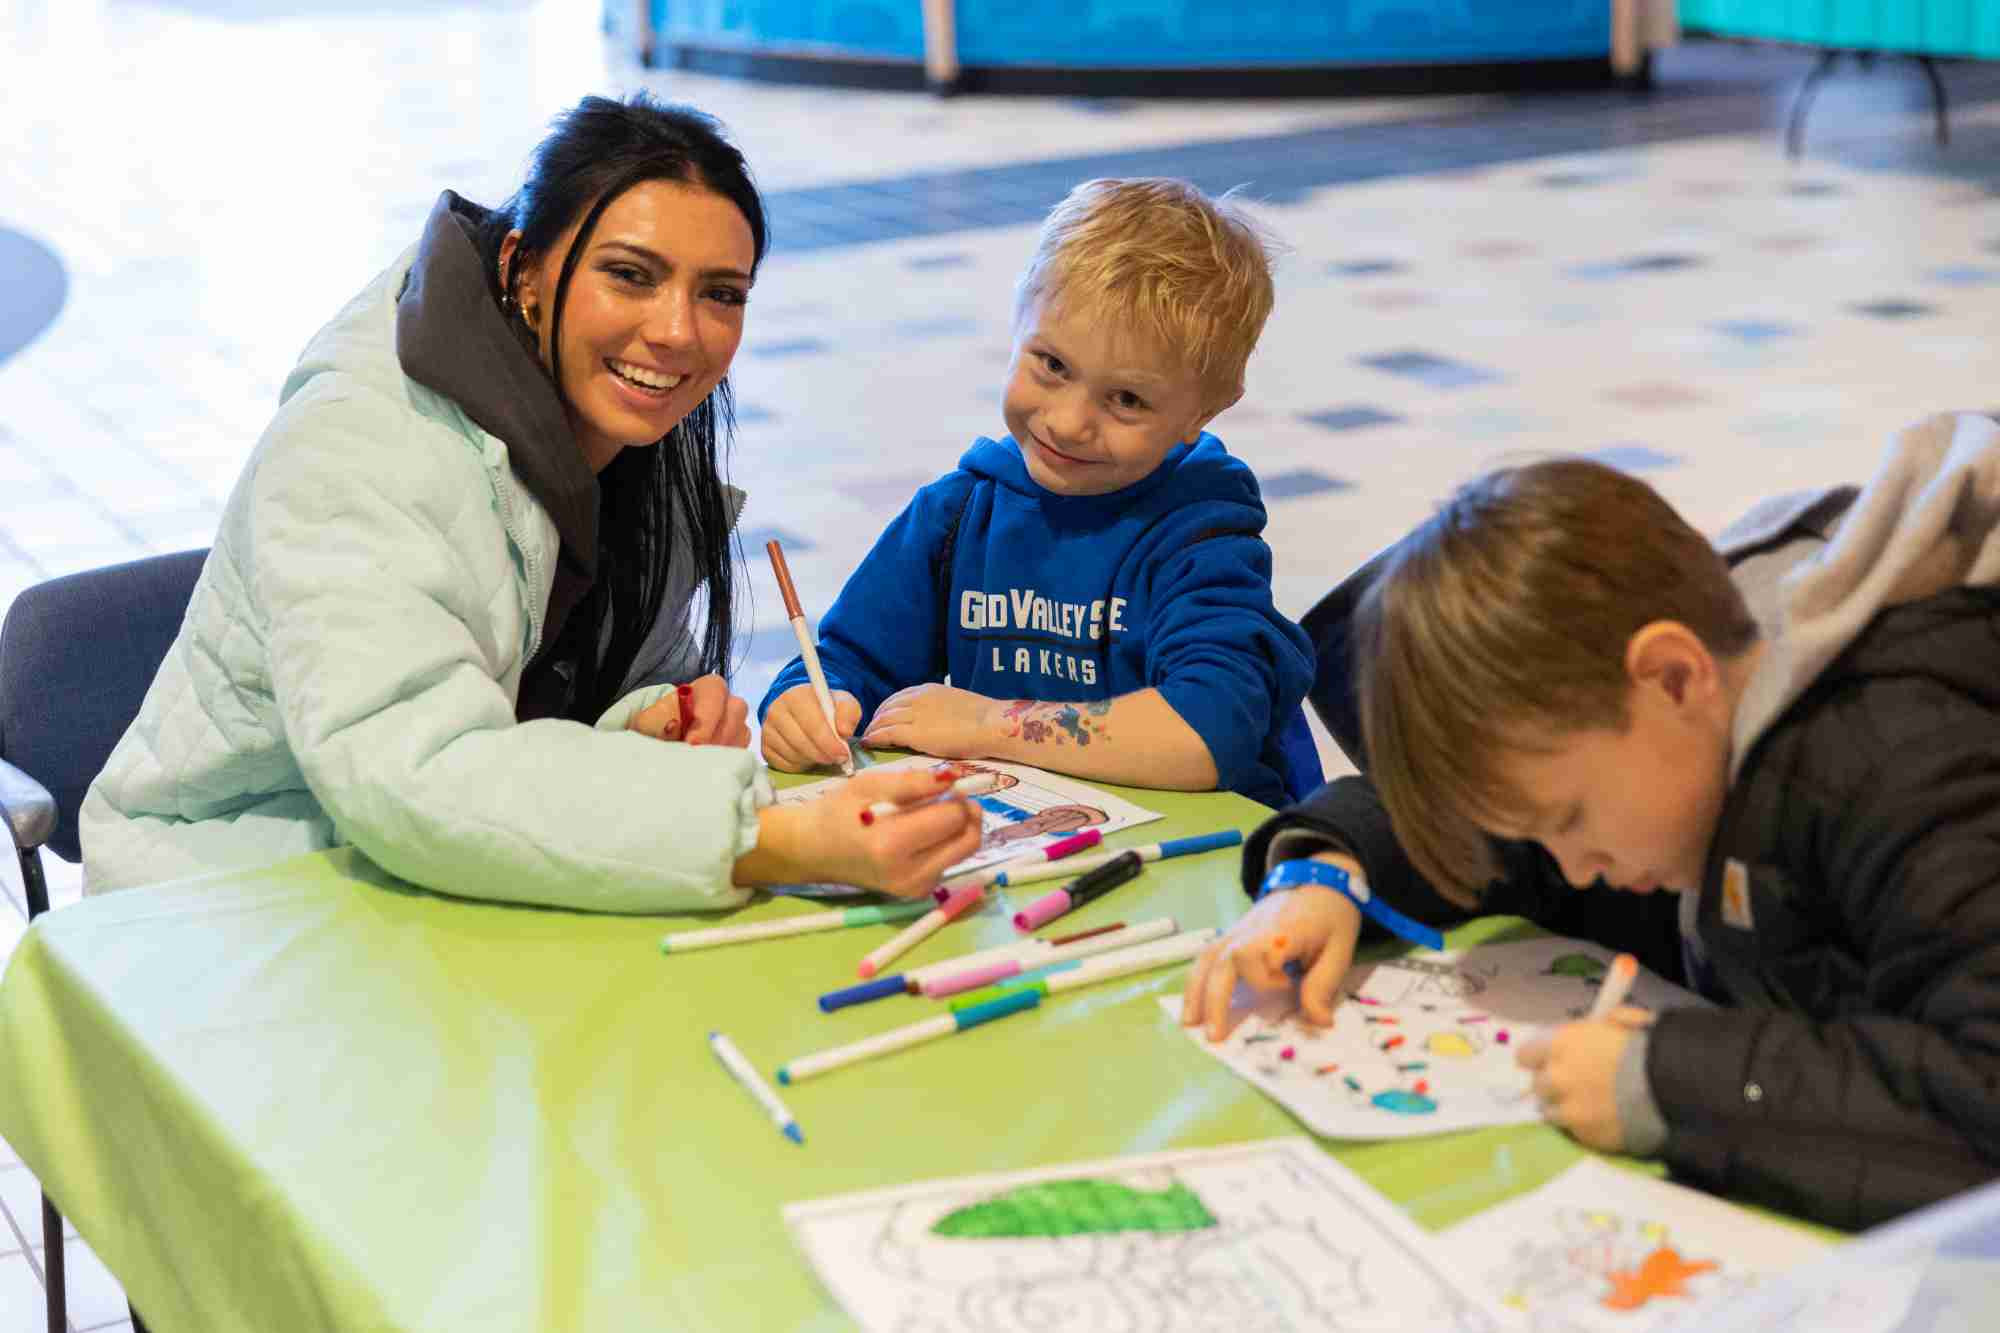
(596, 152)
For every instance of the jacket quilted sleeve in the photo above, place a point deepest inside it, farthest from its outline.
(373, 573)
(1864, 1080)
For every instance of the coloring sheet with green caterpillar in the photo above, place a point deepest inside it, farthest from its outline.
(1268, 1235)
(1423, 1043)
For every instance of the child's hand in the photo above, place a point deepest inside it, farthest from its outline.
(905, 854)
(795, 734)
(1312, 925)
(1576, 1068)
(935, 719)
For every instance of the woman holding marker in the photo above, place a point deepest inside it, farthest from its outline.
(449, 618)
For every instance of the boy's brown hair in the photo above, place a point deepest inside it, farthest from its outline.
(1500, 625)
(1189, 274)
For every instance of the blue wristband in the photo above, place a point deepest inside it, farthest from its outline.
(1291, 874)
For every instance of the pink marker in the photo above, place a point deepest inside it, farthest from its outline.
(960, 902)
(1085, 888)
(1000, 969)
(996, 874)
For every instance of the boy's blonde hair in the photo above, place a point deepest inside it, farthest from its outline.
(1500, 626)
(1157, 256)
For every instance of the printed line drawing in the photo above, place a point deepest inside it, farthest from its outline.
(1422, 1043)
(1599, 1249)
(1032, 809)
(1261, 1236)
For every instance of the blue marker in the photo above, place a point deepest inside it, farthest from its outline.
(743, 1072)
(1153, 851)
(862, 994)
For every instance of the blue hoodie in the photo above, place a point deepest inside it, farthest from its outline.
(1164, 584)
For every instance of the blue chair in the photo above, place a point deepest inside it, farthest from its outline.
(1333, 694)
(76, 657)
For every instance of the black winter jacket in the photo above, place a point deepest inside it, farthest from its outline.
(1855, 1072)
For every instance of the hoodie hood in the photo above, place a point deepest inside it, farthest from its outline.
(452, 337)
(1203, 470)
(1928, 521)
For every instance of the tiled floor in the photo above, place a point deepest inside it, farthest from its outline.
(1465, 280)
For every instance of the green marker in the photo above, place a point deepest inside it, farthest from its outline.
(687, 941)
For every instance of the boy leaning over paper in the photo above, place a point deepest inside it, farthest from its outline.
(1771, 772)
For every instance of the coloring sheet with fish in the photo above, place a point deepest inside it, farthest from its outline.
(1599, 1250)
(1257, 1236)
(1423, 1043)
(1030, 810)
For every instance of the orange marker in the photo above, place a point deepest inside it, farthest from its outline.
(1617, 985)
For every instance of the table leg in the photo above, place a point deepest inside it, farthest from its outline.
(1937, 98)
(941, 46)
(52, 1267)
(1795, 133)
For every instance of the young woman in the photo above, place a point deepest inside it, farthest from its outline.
(478, 570)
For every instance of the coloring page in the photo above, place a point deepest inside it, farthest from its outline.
(1599, 1250)
(1936, 1270)
(1030, 810)
(1254, 1238)
(1423, 1043)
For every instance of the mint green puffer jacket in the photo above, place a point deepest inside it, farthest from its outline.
(349, 663)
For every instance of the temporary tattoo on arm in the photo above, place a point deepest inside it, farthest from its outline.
(1041, 723)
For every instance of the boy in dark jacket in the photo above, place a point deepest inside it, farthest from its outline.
(1772, 771)
(1095, 585)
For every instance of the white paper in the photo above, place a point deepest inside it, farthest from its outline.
(1259, 1236)
(1032, 811)
(1603, 1250)
(1424, 1043)
(1936, 1270)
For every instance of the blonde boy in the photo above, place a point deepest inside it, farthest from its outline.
(1776, 775)
(1094, 585)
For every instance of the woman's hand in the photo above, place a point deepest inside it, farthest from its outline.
(937, 720)
(795, 732)
(714, 715)
(1311, 925)
(1576, 1074)
(905, 854)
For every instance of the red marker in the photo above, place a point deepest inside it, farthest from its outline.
(683, 693)
(1392, 1043)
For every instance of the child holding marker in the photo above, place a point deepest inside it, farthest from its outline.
(1094, 585)
(1775, 771)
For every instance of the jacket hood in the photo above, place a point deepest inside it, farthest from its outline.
(452, 337)
(1928, 521)
(1203, 469)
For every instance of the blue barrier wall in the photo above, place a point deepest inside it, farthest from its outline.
(1158, 34)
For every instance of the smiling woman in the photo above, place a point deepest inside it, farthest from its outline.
(450, 615)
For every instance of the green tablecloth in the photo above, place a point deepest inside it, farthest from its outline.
(312, 1097)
